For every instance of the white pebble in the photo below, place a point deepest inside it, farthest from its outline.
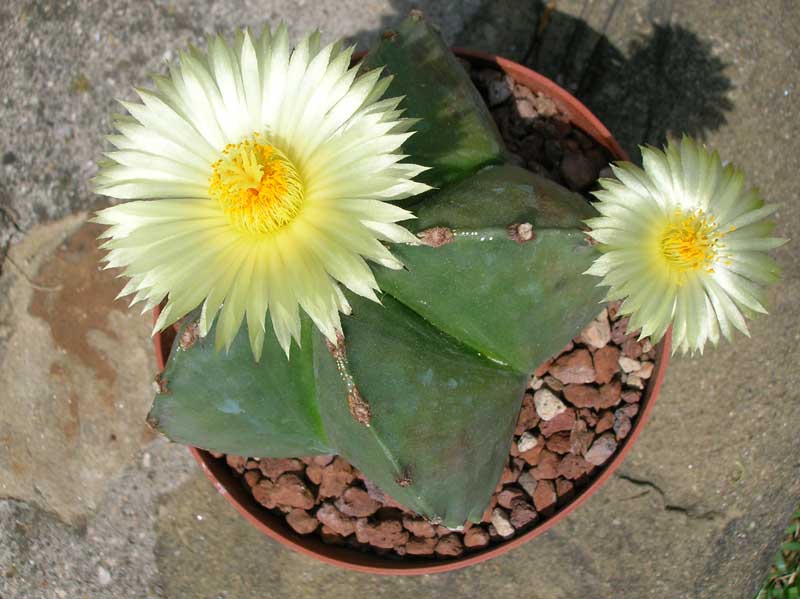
(548, 406)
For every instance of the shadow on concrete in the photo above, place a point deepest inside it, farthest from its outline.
(665, 82)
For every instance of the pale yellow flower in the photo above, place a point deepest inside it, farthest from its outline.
(263, 178)
(684, 243)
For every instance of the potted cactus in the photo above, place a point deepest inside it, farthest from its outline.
(268, 188)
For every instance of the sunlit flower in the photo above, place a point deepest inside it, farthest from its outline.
(684, 241)
(264, 177)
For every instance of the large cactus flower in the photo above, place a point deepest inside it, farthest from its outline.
(684, 242)
(268, 173)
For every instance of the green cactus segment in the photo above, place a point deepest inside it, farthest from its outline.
(456, 134)
(224, 401)
(440, 417)
(518, 302)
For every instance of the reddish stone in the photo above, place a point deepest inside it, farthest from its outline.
(314, 473)
(602, 449)
(588, 416)
(387, 534)
(564, 487)
(522, 514)
(510, 473)
(236, 462)
(562, 422)
(378, 495)
(419, 527)
(251, 465)
(622, 424)
(301, 521)
(507, 496)
(646, 371)
(606, 363)
(572, 466)
(610, 394)
(632, 348)
(631, 396)
(547, 467)
(582, 396)
(476, 537)
(619, 331)
(335, 520)
(323, 460)
(630, 410)
(575, 367)
(357, 503)
(291, 491)
(272, 468)
(251, 477)
(527, 415)
(604, 423)
(544, 497)
(560, 442)
(449, 546)
(262, 493)
(336, 477)
(532, 456)
(580, 438)
(553, 383)
(420, 546)
(542, 370)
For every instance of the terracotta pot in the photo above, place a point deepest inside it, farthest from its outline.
(235, 492)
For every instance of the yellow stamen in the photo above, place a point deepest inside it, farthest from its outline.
(257, 185)
(691, 241)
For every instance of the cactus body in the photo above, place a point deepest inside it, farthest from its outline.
(423, 390)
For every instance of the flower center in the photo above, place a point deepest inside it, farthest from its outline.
(691, 241)
(257, 185)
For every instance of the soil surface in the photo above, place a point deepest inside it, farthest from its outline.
(577, 409)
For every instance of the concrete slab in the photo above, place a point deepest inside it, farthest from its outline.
(696, 510)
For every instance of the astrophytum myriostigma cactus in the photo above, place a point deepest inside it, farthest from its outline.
(422, 391)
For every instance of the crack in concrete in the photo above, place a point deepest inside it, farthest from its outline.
(691, 512)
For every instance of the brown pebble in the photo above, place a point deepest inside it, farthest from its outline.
(553, 383)
(544, 497)
(630, 410)
(527, 415)
(562, 422)
(575, 367)
(532, 456)
(579, 172)
(418, 527)
(606, 363)
(251, 477)
(336, 477)
(506, 497)
(542, 369)
(604, 423)
(610, 394)
(272, 468)
(420, 546)
(291, 491)
(560, 442)
(572, 466)
(314, 473)
(522, 514)
(301, 521)
(622, 424)
(236, 462)
(564, 487)
(262, 493)
(449, 546)
(335, 520)
(476, 537)
(602, 449)
(580, 438)
(251, 465)
(588, 416)
(387, 534)
(632, 348)
(582, 396)
(547, 467)
(357, 503)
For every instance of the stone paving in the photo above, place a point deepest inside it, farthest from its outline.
(92, 505)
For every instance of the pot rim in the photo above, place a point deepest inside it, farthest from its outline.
(275, 527)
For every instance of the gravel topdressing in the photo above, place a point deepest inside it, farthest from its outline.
(577, 409)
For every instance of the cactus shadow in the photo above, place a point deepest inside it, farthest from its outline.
(647, 88)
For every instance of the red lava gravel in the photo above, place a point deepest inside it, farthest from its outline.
(577, 409)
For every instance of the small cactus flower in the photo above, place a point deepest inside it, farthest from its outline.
(684, 243)
(263, 178)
